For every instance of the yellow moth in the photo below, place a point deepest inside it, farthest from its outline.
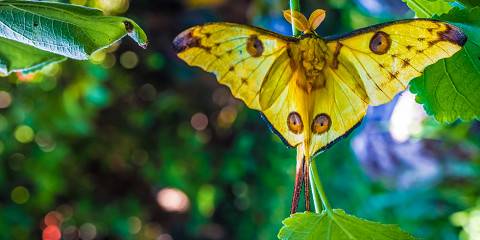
(314, 90)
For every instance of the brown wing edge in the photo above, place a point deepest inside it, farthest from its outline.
(186, 40)
(274, 130)
(452, 34)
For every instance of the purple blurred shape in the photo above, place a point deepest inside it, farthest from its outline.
(399, 165)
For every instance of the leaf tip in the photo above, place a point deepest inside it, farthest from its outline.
(144, 45)
(136, 33)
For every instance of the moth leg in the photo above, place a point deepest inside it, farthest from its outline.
(299, 177)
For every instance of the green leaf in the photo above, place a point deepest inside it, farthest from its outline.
(68, 30)
(466, 3)
(450, 89)
(427, 8)
(15, 57)
(337, 225)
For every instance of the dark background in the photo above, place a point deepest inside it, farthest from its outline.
(134, 144)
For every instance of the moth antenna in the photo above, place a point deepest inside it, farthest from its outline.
(298, 19)
(316, 18)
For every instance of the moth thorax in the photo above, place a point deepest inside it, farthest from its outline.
(313, 57)
(313, 67)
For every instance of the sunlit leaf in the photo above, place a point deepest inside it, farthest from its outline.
(337, 225)
(428, 8)
(68, 30)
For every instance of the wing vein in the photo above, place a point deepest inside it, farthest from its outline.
(363, 67)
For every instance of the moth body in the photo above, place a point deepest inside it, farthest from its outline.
(313, 90)
(312, 55)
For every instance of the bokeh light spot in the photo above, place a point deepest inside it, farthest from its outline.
(112, 6)
(45, 141)
(203, 136)
(129, 59)
(240, 189)
(5, 99)
(20, 195)
(24, 134)
(70, 233)
(148, 92)
(242, 203)
(459, 218)
(51, 233)
(199, 121)
(97, 57)
(87, 231)
(173, 200)
(48, 84)
(227, 116)
(66, 211)
(134, 225)
(407, 118)
(220, 96)
(164, 236)
(206, 200)
(109, 61)
(16, 161)
(53, 218)
(51, 70)
(156, 61)
(152, 230)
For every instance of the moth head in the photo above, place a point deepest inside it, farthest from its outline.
(300, 21)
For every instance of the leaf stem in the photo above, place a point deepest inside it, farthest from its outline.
(316, 199)
(318, 185)
(294, 6)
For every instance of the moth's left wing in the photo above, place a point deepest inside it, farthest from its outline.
(387, 56)
(242, 58)
(254, 63)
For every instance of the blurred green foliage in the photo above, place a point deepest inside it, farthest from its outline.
(89, 148)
